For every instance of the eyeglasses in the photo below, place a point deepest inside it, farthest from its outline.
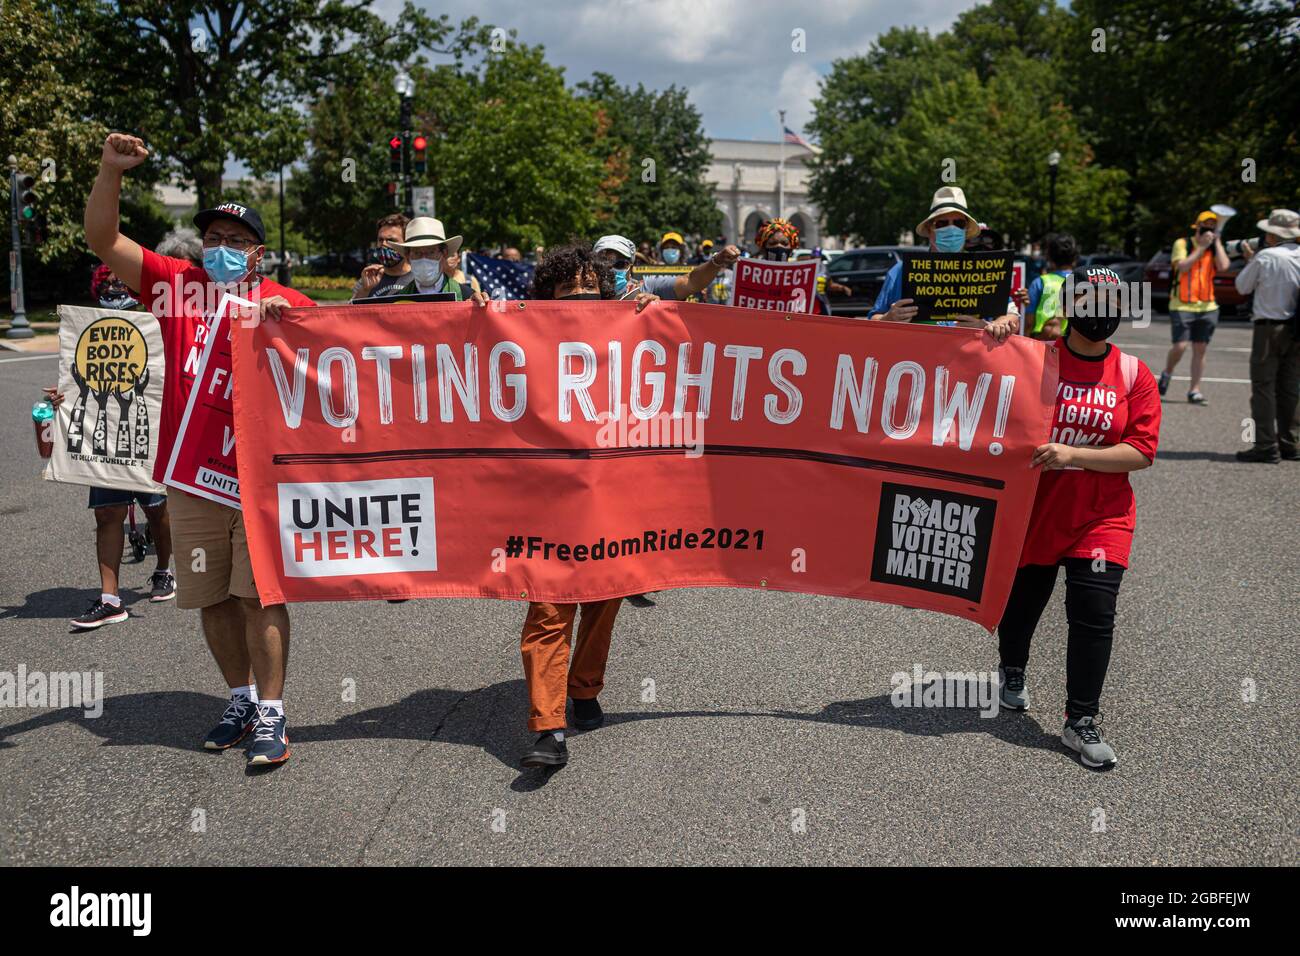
(238, 243)
(941, 223)
(620, 263)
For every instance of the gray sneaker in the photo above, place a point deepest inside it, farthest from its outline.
(1013, 694)
(1083, 737)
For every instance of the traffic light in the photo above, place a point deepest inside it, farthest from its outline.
(26, 198)
(418, 146)
(395, 153)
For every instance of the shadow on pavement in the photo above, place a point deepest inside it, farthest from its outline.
(64, 603)
(1195, 456)
(493, 719)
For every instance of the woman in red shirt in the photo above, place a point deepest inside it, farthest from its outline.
(1106, 424)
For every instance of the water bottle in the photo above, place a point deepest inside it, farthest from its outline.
(43, 419)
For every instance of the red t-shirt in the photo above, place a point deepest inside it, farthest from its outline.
(1077, 511)
(184, 299)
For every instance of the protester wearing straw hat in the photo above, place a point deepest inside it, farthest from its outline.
(948, 228)
(1193, 311)
(1273, 275)
(426, 245)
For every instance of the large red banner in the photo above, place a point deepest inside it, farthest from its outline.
(576, 451)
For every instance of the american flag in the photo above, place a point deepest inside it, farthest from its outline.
(792, 137)
(499, 278)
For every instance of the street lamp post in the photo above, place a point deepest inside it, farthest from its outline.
(1053, 165)
(283, 271)
(19, 327)
(405, 87)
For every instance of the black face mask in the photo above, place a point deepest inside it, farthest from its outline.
(578, 295)
(777, 253)
(1095, 328)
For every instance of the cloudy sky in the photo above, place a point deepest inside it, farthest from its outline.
(734, 56)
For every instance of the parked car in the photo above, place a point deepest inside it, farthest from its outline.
(337, 263)
(1157, 272)
(1108, 259)
(1231, 302)
(863, 271)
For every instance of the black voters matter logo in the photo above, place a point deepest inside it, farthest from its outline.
(933, 540)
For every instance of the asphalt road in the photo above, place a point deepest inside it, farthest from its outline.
(770, 740)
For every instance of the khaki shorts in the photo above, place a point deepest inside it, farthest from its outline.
(211, 551)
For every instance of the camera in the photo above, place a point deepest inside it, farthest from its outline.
(1234, 247)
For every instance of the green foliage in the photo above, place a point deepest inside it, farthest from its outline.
(1151, 129)
(52, 119)
(658, 164)
(997, 135)
(516, 158)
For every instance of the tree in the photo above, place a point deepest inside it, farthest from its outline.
(50, 120)
(213, 78)
(1181, 95)
(658, 163)
(861, 101)
(514, 156)
(339, 192)
(992, 138)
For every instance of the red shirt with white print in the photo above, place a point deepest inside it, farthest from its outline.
(184, 300)
(1089, 514)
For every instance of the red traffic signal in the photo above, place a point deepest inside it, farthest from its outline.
(418, 144)
(395, 153)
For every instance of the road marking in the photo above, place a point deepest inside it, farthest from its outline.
(1217, 348)
(30, 358)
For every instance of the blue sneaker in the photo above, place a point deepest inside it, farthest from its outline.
(236, 722)
(270, 742)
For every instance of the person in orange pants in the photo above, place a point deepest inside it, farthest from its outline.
(573, 271)
(553, 676)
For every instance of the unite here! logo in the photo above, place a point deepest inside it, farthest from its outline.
(338, 528)
(76, 909)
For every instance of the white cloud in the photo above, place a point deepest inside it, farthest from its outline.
(733, 56)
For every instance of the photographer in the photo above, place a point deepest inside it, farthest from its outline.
(1273, 275)
(1193, 312)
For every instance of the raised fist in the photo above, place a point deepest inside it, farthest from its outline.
(123, 151)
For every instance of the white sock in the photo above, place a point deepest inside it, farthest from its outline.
(274, 705)
(249, 692)
(558, 735)
(112, 599)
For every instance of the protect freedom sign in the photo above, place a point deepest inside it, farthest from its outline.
(781, 286)
(563, 451)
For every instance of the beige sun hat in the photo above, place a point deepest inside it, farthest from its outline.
(422, 232)
(1283, 223)
(949, 199)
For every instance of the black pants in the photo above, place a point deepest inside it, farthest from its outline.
(1090, 598)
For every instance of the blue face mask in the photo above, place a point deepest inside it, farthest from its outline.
(224, 264)
(620, 281)
(671, 256)
(950, 239)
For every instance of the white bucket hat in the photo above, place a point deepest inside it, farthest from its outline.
(620, 244)
(1283, 223)
(949, 199)
(422, 232)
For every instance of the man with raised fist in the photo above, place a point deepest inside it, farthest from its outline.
(250, 642)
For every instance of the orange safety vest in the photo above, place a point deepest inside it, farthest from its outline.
(1197, 283)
